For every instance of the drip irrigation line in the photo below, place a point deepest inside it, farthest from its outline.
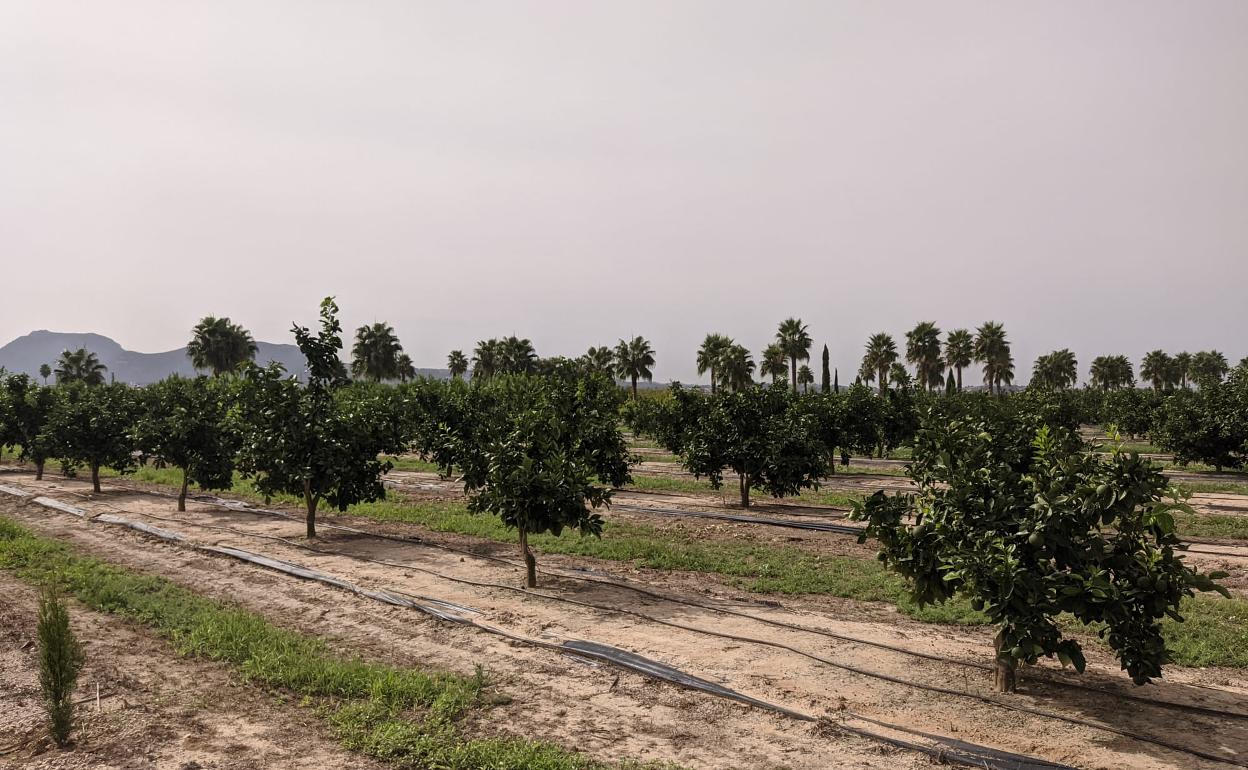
(947, 749)
(242, 507)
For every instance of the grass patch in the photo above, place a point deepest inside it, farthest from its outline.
(397, 714)
(1213, 487)
(412, 463)
(1203, 525)
(753, 567)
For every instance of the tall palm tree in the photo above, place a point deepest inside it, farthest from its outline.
(923, 350)
(518, 356)
(795, 341)
(1209, 366)
(993, 351)
(774, 363)
(405, 367)
(1057, 370)
(633, 361)
(736, 368)
(899, 376)
(805, 378)
(600, 359)
(1183, 367)
(959, 351)
(375, 354)
(1157, 368)
(881, 354)
(1111, 373)
(219, 345)
(45, 372)
(487, 359)
(457, 362)
(710, 354)
(80, 365)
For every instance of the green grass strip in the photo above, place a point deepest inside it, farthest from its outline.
(405, 716)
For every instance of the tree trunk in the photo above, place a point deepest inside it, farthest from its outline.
(39, 470)
(793, 369)
(530, 563)
(745, 490)
(883, 374)
(712, 380)
(634, 387)
(1003, 678)
(959, 378)
(310, 500)
(95, 476)
(182, 494)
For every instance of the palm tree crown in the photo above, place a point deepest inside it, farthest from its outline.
(1158, 368)
(881, 354)
(80, 365)
(1111, 373)
(219, 345)
(959, 351)
(795, 341)
(805, 378)
(736, 368)
(710, 355)
(633, 360)
(600, 359)
(457, 363)
(923, 350)
(376, 354)
(1209, 366)
(1057, 370)
(774, 363)
(993, 351)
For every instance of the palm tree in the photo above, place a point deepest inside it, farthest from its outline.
(881, 354)
(923, 350)
(959, 352)
(709, 355)
(1057, 370)
(600, 359)
(375, 354)
(795, 342)
(457, 362)
(518, 356)
(1111, 373)
(219, 345)
(633, 360)
(773, 363)
(1209, 366)
(1183, 367)
(993, 351)
(899, 376)
(1157, 368)
(487, 359)
(805, 378)
(80, 366)
(45, 372)
(405, 367)
(736, 368)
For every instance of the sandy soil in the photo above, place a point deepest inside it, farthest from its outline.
(157, 710)
(620, 714)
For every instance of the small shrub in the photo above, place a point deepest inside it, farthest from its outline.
(60, 660)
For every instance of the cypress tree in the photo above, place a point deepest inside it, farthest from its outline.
(836, 381)
(827, 376)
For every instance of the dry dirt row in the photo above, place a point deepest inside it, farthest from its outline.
(613, 714)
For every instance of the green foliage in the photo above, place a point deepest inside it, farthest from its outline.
(219, 345)
(1209, 425)
(183, 423)
(1111, 373)
(60, 661)
(1030, 533)
(993, 351)
(537, 451)
(80, 365)
(634, 360)
(764, 434)
(1133, 411)
(1058, 370)
(377, 355)
(923, 350)
(320, 441)
(25, 408)
(93, 426)
(794, 342)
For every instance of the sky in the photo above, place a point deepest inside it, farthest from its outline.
(576, 172)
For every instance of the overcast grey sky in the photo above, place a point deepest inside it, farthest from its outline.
(577, 171)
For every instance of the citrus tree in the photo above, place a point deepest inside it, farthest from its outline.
(183, 425)
(1030, 525)
(542, 452)
(319, 441)
(25, 407)
(93, 425)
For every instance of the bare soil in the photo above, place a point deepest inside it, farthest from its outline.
(613, 714)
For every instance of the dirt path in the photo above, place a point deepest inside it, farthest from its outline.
(157, 710)
(621, 714)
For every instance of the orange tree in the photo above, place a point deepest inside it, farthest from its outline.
(1029, 524)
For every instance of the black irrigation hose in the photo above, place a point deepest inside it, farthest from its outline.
(946, 749)
(247, 508)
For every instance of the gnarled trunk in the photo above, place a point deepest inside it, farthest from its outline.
(310, 500)
(530, 563)
(1004, 677)
(182, 493)
(39, 470)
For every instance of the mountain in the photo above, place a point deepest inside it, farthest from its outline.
(26, 354)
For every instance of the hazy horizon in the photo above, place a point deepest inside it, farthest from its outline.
(580, 172)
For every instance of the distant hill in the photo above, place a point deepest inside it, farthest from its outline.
(26, 354)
